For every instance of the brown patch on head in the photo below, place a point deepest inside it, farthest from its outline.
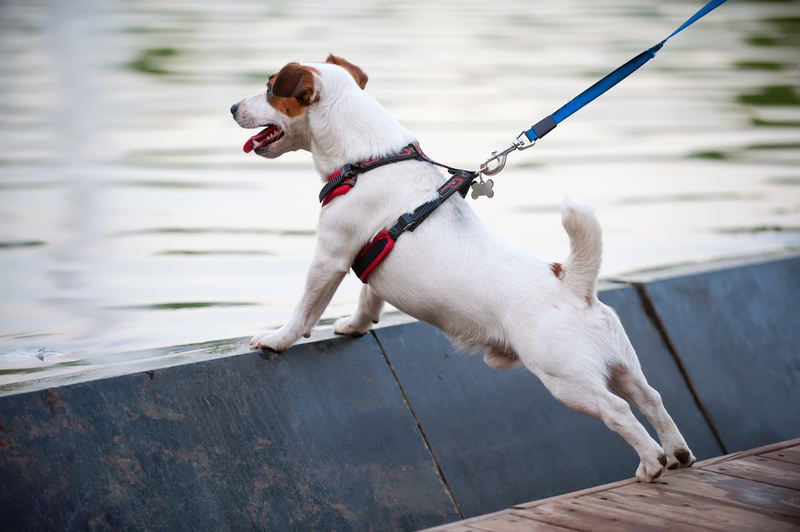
(556, 269)
(292, 89)
(358, 74)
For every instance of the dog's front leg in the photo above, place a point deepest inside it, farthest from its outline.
(367, 312)
(324, 277)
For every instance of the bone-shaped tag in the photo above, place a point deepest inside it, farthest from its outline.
(483, 188)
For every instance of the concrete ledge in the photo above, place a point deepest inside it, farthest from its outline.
(502, 439)
(737, 334)
(319, 439)
(392, 428)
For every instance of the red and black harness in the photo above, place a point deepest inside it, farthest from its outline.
(381, 245)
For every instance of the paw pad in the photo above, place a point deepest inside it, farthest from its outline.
(683, 456)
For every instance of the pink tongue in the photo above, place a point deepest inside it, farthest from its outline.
(250, 144)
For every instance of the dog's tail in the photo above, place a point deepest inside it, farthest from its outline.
(585, 249)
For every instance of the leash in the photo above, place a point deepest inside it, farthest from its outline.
(377, 249)
(526, 139)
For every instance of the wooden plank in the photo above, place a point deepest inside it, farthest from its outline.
(455, 527)
(687, 510)
(515, 523)
(465, 522)
(680, 517)
(574, 494)
(758, 488)
(761, 469)
(793, 444)
(584, 515)
(736, 491)
(787, 455)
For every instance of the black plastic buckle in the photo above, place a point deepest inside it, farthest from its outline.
(348, 170)
(408, 222)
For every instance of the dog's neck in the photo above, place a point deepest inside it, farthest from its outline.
(348, 125)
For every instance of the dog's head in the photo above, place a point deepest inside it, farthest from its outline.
(283, 109)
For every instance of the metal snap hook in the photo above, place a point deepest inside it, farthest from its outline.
(500, 157)
(501, 162)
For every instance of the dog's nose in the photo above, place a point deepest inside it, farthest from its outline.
(234, 107)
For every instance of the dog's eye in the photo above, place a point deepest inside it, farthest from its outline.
(269, 90)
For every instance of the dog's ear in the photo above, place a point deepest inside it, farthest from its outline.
(295, 81)
(358, 74)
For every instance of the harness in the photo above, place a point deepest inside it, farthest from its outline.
(341, 181)
(377, 249)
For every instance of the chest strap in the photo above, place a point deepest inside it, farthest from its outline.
(381, 244)
(377, 249)
(342, 180)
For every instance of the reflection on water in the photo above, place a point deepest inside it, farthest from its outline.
(130, 219)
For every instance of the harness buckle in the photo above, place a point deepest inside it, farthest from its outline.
(348, 170)
(407, 222)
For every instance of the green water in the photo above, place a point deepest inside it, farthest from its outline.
(131, 219)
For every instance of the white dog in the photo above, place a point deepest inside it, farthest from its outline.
(486, 294)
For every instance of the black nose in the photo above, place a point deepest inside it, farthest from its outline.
(234, 107)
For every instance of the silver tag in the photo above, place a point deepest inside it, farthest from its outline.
(483, 188)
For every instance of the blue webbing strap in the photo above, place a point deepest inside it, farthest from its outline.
(544, 126)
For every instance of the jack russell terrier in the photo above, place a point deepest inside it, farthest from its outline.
(452, 272)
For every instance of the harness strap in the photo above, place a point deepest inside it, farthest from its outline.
(381, 244)
(341, 181)
(338, 183)
(547, 124)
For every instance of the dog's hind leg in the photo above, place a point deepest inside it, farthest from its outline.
(630, 384)
(368, 311)
(595, 400)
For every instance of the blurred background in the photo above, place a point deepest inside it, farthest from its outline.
(130, 218)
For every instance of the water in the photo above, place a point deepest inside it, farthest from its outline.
(130, 218)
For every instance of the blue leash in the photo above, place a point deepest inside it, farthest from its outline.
(547, 124)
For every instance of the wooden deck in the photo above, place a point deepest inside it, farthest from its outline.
(755, 490)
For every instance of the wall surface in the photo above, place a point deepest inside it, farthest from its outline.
(393, 430)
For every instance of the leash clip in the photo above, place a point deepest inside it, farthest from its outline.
(520, 143)
(500, 157)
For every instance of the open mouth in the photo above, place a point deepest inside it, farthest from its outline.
(268, 135)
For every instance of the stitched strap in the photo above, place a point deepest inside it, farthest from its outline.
(348, 174)
(341, 181)
(382, 244)
(372, 254)
(345, 178)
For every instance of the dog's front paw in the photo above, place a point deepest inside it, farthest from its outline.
(651, 470)
(351, 327)
(680, 457)
(273, 340)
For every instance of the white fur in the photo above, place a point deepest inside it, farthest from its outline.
(485, 293)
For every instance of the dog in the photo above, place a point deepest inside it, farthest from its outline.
(484, 293)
